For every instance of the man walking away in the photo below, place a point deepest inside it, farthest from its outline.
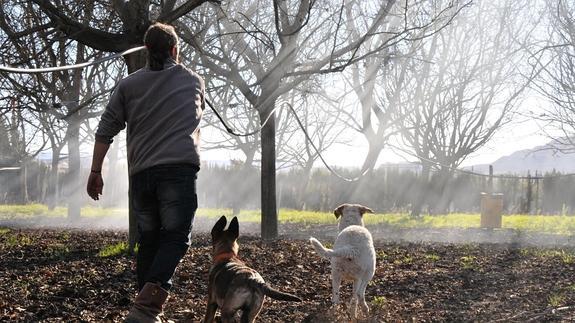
(161, 105)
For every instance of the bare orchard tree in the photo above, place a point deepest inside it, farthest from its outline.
(24, 139)
(266, 48)
(236, 117)
(308, 127)
(56, 96)
(130, 21)
(461, 88)
(377, 81)
(556, 57)
(232, 108)
(295, 151)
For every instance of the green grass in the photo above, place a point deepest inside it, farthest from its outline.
(28, 211)
(120, 248)
(379, 301)
(407, 260)
(432, 257)
(556, 299)
(567, 257)
(467, 262)
(56, 250)
(18, 240)
(555, 224)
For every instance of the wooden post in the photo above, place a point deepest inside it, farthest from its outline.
(537, 193)
(490, 182)
(491, 205)
(529, 194)
(491, 209)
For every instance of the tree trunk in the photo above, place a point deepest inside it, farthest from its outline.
(74, 183)
(374, 149)
(301, 195)
(269, 224)
(442, 206)
(23, 198)
(420, 195)
(111, 177)
(236, 181)
(54, 181)
(19, 144)
(134, 61)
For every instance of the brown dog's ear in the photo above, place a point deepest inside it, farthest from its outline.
(339, 211)
(364, 209)
(219, 227)
(234, 228)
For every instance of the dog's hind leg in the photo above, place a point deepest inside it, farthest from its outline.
(210, 312)
(361, 297)
(354, 297)
(228, 316)
(335, 283)
(249, 315)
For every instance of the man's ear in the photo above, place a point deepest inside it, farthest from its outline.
(219, 227)
(234, 228)
(339, 211)
(175, 52)
(364, 209)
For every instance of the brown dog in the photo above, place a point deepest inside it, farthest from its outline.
(232, 285)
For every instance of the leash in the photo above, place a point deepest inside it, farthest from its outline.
(68, 67)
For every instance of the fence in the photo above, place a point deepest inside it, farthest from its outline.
(386, 189)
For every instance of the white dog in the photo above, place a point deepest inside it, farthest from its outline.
(352, 256)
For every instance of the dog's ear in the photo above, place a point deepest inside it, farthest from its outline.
(364, 209)
(339, 211)
(219, 227)
(234, 228)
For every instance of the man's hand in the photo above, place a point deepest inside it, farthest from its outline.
(95, 182)
(95, 185)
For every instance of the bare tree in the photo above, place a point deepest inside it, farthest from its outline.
(377, 81)
(58, 99)
(556, 58)
(130, 21)
(462, 87)
(266, 48)
(24, 140)
(308, 126)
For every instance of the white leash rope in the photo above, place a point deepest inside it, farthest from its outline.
(307, 136)
(67, 67)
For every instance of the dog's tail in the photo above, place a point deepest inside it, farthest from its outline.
(279, 295)
(329, 253)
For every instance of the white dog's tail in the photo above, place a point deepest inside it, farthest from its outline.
(329, 253)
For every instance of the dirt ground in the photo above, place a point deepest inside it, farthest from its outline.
(57, 276)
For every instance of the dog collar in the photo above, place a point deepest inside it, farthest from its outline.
(223, 257)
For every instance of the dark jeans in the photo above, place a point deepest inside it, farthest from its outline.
(164, 202)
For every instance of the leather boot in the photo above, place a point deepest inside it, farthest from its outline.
(148, 305)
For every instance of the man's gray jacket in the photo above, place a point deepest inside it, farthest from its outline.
(162, 111)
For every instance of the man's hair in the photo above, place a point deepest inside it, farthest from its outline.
(159, 40)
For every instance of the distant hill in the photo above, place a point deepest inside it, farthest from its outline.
(541, 159)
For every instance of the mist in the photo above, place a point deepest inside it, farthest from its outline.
(432, 83)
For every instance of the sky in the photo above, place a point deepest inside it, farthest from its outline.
(521, 133)
(525, 135)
